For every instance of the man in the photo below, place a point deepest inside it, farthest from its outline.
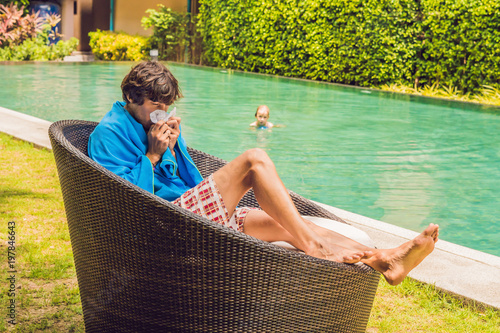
(154, 157)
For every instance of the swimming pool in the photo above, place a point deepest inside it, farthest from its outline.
(404, 160)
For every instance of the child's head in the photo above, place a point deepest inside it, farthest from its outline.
(152, 80)
(262, 115)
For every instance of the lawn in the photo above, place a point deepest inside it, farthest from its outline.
(45, 287)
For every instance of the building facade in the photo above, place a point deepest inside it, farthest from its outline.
(79, 17)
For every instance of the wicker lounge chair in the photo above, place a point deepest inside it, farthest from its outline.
(145, 265)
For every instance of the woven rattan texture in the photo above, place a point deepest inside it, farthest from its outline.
(145, 265)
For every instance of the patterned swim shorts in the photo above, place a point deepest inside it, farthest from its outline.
(204, 199)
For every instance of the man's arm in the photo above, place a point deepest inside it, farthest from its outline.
(123, 156)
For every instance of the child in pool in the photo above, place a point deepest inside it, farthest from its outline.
(262, 116)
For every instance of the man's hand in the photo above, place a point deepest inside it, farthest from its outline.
(175, 131)
(158, 141)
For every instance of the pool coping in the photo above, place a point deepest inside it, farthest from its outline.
(467, 273)
(25, 127)
(459, 270)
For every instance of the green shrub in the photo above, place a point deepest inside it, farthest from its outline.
(366, 43)
(23, 4)
(108, 45)
(16, 27)
(18, 3)
(348, 41)
(38, 50)
(462, 43)
(5, 53)
(170, 32)
(27, 37)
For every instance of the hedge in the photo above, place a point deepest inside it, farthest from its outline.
(108, 45)
(462, 43)
(366, 43)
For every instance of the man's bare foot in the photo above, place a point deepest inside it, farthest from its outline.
(395, 264)
(339, 254)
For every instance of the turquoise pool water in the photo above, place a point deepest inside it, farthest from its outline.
(404, 160)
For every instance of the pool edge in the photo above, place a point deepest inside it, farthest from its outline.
(25, 127)
(459, 270)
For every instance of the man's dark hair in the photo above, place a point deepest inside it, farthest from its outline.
(150, 79)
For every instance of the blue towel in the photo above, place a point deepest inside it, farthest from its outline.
(119, 143)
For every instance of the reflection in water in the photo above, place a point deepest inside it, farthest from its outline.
(262, 136)
(404, 190)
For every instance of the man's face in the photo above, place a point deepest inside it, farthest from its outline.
(141, 113)
(262, 117)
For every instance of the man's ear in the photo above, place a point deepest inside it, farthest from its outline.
(129, 100)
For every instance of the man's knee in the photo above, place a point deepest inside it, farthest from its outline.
(257, 157)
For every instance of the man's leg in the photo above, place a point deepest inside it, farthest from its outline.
(260, 225)
(254, 169)
(394, 264)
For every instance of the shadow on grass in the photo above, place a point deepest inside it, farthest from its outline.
(9, 193)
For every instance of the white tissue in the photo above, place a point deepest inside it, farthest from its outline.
(158, 115)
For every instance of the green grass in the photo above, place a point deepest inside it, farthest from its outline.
(47, 297)
(416, 307)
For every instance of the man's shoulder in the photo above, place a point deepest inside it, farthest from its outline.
(117, 113)
(115, 117)
(112, 122)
